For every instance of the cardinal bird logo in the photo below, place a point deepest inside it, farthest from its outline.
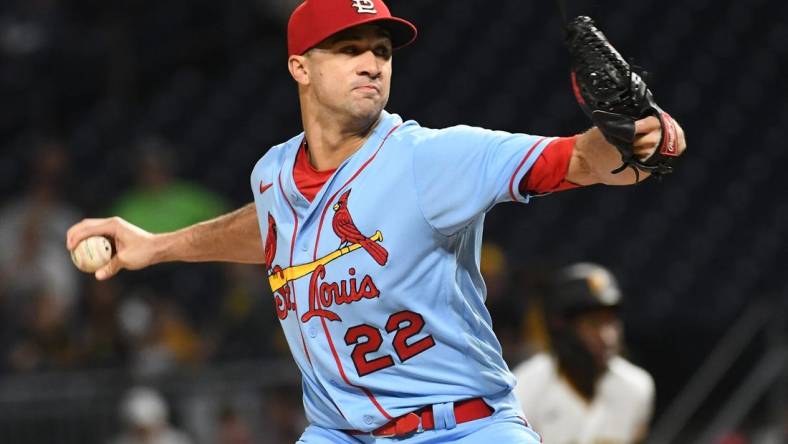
(346, 230)
(270, 243)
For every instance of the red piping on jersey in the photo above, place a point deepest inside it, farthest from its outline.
(522, 162)
(292, 247)
(323, 321)
(303, 342)
(292, 287)
(344, 377)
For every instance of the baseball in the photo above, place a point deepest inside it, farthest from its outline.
(92, 253)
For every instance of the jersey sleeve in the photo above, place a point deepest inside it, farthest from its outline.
(461, 172)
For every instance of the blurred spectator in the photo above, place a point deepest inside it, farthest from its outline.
(161, 334)
(44, 341)
(145, 416)
(160, 339)
(245, 312)
(100, 339)
(159, 202)
(32, 256)
(232, 428)
(283, 416)
(582, 391)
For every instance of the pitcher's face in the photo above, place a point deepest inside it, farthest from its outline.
(350, 72)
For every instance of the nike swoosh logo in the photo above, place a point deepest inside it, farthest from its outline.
(265, 187)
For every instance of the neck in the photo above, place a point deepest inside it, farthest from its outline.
(331, 140)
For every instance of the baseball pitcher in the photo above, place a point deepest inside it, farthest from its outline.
(370, 227)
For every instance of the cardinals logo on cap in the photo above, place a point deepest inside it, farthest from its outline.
(364, 6)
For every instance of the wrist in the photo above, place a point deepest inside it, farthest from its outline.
(162, 247)
(601, 158)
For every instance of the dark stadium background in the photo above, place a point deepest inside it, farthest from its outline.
(694, 252)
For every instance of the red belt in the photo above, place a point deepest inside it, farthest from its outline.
(464, 411)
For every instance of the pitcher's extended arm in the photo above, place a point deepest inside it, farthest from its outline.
(233, 237)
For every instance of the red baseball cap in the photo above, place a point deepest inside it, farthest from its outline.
(316, 20)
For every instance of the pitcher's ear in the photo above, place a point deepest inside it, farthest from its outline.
(298, 67)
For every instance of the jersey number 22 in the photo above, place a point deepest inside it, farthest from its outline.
(414, 324)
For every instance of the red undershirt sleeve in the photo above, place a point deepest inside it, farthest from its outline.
(549, 172)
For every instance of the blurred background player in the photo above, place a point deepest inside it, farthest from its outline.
(581, 390)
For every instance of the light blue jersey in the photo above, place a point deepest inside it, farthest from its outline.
(377, 282)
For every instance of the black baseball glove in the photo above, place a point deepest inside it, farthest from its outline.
(614, 97)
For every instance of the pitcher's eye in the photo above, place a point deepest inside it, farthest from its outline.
(350, 50)
(383, 52)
